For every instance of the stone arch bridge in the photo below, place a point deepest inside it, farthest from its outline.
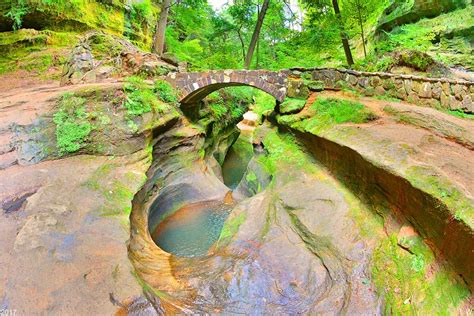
(195, 86)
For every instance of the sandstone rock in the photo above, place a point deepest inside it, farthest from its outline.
(425, 91)
(388, 84)
(364, 82)
(352, 80)
(315, 85)
(437, 91)
(292, 106)
(417, 87)
(375, 81)
(467, 104)
(398, 83)
(401, 93)
(454, 103)
(183, 66)
(379, 90)
(413, 98)
(444, 100)
(170, 58)
(104, 72)
(431, 103)
(79, 66)
(459, 91)
(446, 88)
(408, 86)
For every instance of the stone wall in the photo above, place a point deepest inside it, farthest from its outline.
(432, 92)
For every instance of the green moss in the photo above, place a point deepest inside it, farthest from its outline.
(114, 188)
(39, 52)
(231, 227)
(402, 277)
(441, 188)
(251, 177)
(291, 105)
(461, 114)
(284, 149)
(263, 103)
(327, 112)
(72, 124)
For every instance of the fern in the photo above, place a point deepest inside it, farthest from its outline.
(16, 13)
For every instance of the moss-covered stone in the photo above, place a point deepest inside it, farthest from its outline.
(292, 106)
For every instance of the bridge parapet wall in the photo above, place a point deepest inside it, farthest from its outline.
(432, 92)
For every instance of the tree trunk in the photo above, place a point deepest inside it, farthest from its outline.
(345, 41)
(159, 43)
(242, 44)
(361, 27)
(256, 33)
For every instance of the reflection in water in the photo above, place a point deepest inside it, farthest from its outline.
(192, 230)
(236, 161)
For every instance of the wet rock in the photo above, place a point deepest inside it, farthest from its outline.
(17, 202)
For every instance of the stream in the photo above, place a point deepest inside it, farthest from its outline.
(193, 229)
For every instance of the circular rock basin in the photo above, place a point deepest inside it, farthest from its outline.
(193, 229)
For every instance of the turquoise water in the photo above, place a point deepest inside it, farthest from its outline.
(236, 161)
(193, 229)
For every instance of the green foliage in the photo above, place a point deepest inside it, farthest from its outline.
(72, 125)
(165, 91)
(17, 10)
(218, 109)
(141, 98)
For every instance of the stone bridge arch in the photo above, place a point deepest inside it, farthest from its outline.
(195, 86)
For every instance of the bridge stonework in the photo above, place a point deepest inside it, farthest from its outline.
(194, 86)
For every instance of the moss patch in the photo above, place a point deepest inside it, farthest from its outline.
(41, 53)
(231, 227)
(405, 281)
(115, 188)
(291, 105)
(441, 188)
(327, 112)
(72, 124)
